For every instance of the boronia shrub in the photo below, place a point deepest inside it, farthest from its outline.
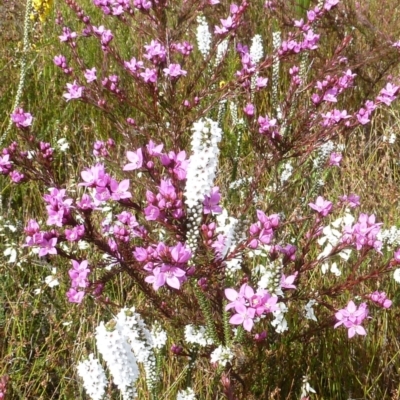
(190, 199)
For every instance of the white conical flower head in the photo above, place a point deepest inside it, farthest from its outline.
(203, 36)
(120, 359)
(256, 49)
(93, 376)
(203, 162)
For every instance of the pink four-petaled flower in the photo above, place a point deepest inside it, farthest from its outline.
(322, 206)
(352, 317)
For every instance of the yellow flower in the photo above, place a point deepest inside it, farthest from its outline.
(42, 8)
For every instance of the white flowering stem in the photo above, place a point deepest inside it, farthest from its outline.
(239, 129)
(221, 111)
(276, 43)
(21, 83)
(93, 376)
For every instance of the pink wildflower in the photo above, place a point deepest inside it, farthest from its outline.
(322, 206)
(352, 317)
(74, 91)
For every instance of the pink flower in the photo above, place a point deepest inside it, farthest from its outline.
(135, 158)
(245, 292)
(363, 233)
(67, 35)
(21, 118)
(380, 299)
(74, 234)
(60, 61)
(78, 274)
(267, 125)
(48, 247)
(260, 337)
(334, 117)
(119, 191)
(167, 274)
(248, 305)
(151, 213)
(153, 149)
(155, 52)
(133, 65)
(149, 75)
(261, 82)
(396, 256)
(243, 316)
(352, 199)
(177, 163)
(184, 48)
(95, 176)
(249, 109)
(85, 203)
(105, 34)
(74, 296)
(180, 253)
(322, 206)
(5, 164)
(102, 194)
(142, 4)
(90, 75)
(16, 176)
(141, 254)
(74, 91)
(330, 95)
(211, 203)
(32, 227)
(388, 94)
(363, 116)
(330, 3)
(269, 302)
(287, 281)
(352, 317)
(334, 159)
(174, 71)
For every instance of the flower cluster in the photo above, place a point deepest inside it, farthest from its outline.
(197, 336)
(166, 265)
(78, 274)
(163, 204)
(249, 305)
(363, 233)
(232, 21)
(117, 353)
(124, 342)
(262, 232)
(380, 299)
(45, 241)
